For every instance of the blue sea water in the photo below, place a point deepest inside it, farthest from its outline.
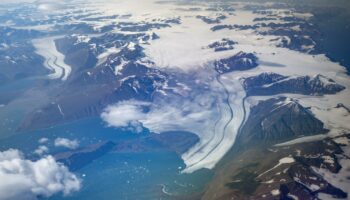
(148, 175)
(136, 176)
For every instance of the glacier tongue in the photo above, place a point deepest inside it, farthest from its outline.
(232, 115)
(54, 60)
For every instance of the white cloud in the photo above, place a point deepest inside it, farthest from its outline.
(158, 118)
(64, 142)
(43, 140)
(26, 179)
(124, 113)
(41, 150)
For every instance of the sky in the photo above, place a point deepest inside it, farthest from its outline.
(16, 1)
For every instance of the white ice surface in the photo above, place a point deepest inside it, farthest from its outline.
(54, 60)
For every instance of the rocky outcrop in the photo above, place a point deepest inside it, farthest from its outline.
(212, 20)
(278, 120)
(272, 83)
(239, 62)
(222, 45)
